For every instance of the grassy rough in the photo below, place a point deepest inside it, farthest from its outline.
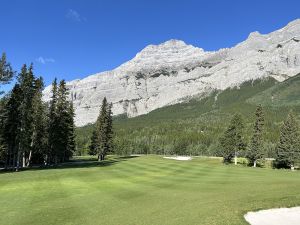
(145, 190)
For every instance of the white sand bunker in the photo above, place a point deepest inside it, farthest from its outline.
(183, 158)
(281, 216)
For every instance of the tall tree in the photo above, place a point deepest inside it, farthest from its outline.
(102, 141)
(6, 71)
(255, 150)
(40, 120)
(232, 142)
(53, 132)
(26, 81)
(288, 148)
(93, 143)
(71, 145)
(11, 127)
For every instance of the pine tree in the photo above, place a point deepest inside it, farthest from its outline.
(110, 132)
(232, 142)
(62, 113)
(255, 150)
(26, 81)
(288, 148)
(3, 117)
(101, 141)
(40, 120)
(61, 124)
(53, 133)
(71, 145)
(12, 127)
(93, 144)
(6, 72)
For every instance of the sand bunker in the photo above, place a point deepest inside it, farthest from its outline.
(281, 216)
(179, 158)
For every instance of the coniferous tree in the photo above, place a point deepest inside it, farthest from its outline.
(92, 146)
(26, 82)
(71, 145)
(53, 133)
(255, 150)
(232, 142)
(6, 72)
(62, 112)
(40, 120)
(101, 141)
(110, 132)
(3, 116)
(288, 148)
(61, 124)
(12, 127)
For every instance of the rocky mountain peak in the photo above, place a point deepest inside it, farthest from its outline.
(174, 71)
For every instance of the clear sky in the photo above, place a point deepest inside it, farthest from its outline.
(73, 39)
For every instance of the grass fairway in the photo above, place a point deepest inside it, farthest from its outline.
(143, 190)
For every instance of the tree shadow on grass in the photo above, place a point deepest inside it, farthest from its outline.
(76, 163)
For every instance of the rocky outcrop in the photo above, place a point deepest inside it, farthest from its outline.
(173, 71)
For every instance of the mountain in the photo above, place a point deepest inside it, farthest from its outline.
(174, 72)
(194, 126)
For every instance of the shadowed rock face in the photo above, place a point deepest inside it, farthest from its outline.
(173, 71)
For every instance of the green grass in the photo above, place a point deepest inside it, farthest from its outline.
(143, 190)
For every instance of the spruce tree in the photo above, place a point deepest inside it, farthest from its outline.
(6, 71)
(12, 128)
(61, 124)
(40, 120)
(63, 129)
(288, 148)
(53, 130)
(26, 82)
(71, 145)
(232, 142)
(101, 141)
(255, 150)
(93, 144)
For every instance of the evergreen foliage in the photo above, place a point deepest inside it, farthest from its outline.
(102, 138)
(232, 142)
(288, 148)
(255, 151)
(61, 124)
(6, 71)
(40, 121)
(30, 132)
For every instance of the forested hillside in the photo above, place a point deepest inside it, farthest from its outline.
(195, 127)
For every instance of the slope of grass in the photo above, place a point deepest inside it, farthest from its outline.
(145, 190)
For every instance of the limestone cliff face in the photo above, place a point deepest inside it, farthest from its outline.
(173, 71)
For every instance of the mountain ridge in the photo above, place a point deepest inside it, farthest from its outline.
(171, 72)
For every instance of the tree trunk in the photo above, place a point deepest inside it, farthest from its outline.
(254, 163)
(99, 158)
(18, 162)
(29, 158)
(235, 160)
(292, 168)
(23, 160)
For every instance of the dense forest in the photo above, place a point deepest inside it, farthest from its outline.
(33, 132)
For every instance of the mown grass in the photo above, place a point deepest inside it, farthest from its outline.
(145, 190)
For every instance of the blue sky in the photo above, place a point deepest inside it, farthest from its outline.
(73, 39)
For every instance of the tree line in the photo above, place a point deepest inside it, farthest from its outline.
(32, 131)
(287, 150)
